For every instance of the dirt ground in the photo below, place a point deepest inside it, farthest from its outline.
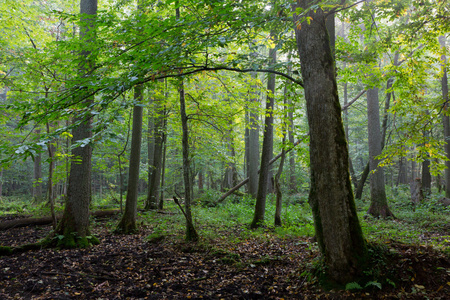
(134, 267)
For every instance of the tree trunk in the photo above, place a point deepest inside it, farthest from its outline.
(128, 222)
(154, 184)
(267, 149)
(74, 225)
(191, 233)
(37, 182)
(163, 169)
(253, 146)
(150, 145)
(445, 118)
(338, 231)
(51, 167)
(378, 202)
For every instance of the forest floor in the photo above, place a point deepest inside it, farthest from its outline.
(166, 267)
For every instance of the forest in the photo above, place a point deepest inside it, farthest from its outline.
(224, 149)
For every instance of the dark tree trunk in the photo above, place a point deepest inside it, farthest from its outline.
(338, 231)
(267, 149)
(128, 222)
(191, 233)
(74, 225)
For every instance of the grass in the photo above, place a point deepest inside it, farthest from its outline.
(427, 223)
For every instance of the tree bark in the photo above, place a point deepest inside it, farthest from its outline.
(253, 145)
(445, 117)
(128, 222)
(154, 185)
(74, 225)
(267, 150)
(37, 184)
(338, 231)
(191, 233)
(378, 202)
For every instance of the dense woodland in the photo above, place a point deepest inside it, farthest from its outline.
(291, 148)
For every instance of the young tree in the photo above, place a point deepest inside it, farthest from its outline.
(338, 231)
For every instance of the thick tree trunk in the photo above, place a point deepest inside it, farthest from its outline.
(74, 225)
(267, 151)
(128, 222)
(378, 201)
(338, 231)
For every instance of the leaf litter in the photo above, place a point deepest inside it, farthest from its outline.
(134, 267)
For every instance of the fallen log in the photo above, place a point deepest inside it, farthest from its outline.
(48, 220)
(243, 182)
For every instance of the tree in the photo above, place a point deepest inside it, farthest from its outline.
(378, 202)
(158, 132)
(338, 231)
(445, 117)
(267, 148)
(253, 142)
(73, 228)
(128, 222)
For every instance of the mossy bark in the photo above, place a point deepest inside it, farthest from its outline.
(338, 231)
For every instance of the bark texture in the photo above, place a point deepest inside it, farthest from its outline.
(128, 222)
(74, 225)
(445, 117)
(267, 149)
(378, 201)
(191, 233)
(253, 147)
(337, 226)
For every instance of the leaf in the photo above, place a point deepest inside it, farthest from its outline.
(353, 286)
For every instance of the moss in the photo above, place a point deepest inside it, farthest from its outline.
(5, 250)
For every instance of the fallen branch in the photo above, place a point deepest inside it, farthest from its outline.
(240, 184)
(48, 220)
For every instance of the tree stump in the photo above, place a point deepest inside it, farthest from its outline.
(415, 188)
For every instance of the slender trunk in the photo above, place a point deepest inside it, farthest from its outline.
(253, 146)
(378, 201)
(51, 166)
(191, 233)
(150, 146)
(339, 234)
(154, 184)
(163, 173)
(267, 149)
(37, 182)
(445, 117)
(128, 222)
